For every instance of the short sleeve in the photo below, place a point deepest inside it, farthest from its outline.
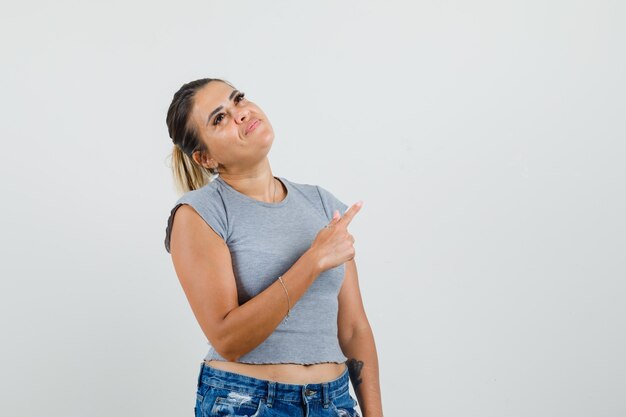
(209, 206)
(331, 203)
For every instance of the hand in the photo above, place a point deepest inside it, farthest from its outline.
(333, 245)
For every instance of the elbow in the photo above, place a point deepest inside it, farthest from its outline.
(349, 332)
(225, 351)
(231, 358)
(229, 355)
(227, 348)
(231, 340)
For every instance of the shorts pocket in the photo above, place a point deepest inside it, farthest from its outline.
(236, 404)
(205, 397)
(344, 405)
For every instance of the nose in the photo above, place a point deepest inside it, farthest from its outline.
(242, 116)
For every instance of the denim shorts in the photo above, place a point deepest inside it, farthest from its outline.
(224, 393)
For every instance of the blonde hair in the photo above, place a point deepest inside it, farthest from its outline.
(188, 174)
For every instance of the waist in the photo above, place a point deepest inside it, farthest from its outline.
(287, 373)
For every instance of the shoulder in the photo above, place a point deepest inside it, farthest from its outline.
(208, 203)
(317, 193)
(206, 193)
(206, 200)
(312, 189)
(309, 190)
(313, 192)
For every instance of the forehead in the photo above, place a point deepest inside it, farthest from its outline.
(208, 98)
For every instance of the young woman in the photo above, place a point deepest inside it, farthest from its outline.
(268, 268)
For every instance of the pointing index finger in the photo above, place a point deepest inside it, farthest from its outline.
(350, 213)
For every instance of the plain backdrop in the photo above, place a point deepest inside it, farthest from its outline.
(486, 139)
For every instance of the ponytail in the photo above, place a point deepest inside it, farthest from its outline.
(188, 175)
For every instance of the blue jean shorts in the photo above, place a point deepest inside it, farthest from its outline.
(224, 393)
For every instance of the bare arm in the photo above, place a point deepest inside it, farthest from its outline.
(357, 343)
(203, 265)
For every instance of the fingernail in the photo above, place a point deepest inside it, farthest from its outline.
(359, 203)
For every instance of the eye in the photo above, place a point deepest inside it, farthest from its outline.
(239, 97)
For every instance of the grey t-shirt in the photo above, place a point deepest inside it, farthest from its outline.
(265, 240)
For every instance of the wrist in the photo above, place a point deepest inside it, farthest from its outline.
(313, 261)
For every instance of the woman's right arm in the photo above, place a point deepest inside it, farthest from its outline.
(203, 265)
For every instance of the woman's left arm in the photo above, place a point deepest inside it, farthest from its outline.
(357, 343)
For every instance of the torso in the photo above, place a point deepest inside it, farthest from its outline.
(288, 373)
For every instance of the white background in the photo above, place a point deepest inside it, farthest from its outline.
(486, 139)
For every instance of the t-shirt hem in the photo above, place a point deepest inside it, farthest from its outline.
(280, 362)
(280, 359)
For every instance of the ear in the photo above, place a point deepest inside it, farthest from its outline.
(204, 160)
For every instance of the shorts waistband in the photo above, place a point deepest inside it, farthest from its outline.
(270, 390)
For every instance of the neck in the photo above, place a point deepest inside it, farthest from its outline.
(260, 186)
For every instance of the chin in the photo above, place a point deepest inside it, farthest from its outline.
(268, 138)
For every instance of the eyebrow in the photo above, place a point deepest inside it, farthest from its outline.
(220, 107)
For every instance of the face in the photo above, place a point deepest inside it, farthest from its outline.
(236, 132)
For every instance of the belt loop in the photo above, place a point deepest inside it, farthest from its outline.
(271, 391)
(325, 394)
(200, 374)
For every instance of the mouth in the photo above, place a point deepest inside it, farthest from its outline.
(253, 125)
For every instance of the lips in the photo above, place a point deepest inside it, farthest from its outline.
(253, 124)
